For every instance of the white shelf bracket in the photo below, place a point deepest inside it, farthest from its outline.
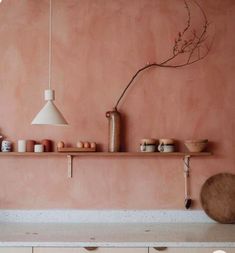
(70, 166)
(186, 165)
(187, 199)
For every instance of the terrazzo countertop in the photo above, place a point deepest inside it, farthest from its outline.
(117, 235)
(128, 232)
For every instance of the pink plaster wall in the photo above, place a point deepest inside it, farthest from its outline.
(97, 46)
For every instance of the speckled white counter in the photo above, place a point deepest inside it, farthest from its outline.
(78, 233)
(103, 216)
(117, 235)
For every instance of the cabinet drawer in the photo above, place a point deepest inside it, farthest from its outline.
(91, 250)
(15, 250)
(190, 250)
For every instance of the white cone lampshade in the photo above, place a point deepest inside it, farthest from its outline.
(49, 115)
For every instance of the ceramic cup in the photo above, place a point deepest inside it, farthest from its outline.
(47, 145)
(30, 145)
(21, 145)
(147, 147)
(6, 146)
(166, 148)
(38, 148)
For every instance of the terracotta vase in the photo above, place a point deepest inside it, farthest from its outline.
(47, 145)
(114, 118)
(30, 145)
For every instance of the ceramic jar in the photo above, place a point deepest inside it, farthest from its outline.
(21, 145)
(166, 148)
(148, 145)
(6, 146)
(47, 144)
(30, 145)
(166, 145)
(38, 148)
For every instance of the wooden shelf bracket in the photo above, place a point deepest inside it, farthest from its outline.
(70, 166)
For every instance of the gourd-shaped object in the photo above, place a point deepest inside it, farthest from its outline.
(114, 118)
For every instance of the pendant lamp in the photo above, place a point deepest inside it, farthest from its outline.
(49, 114)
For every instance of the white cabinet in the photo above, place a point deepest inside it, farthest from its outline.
(114, 250)
(84, 250)
(15, 250)
(191, 250)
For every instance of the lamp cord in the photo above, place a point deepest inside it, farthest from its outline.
(50, 41)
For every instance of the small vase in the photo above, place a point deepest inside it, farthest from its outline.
(114, 118)
(47, 145)
(30, 145)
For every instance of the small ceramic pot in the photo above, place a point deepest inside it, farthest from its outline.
(47, 145)
(21, 145)
(147, 147)
(6, 146)
(38, 148)
(30, 145)
(166, 148)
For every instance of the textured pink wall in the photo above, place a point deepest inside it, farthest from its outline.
(97, 46)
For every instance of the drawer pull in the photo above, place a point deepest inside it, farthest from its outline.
(91, 248)
(160, 248)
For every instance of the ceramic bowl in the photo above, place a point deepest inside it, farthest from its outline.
(196, 145)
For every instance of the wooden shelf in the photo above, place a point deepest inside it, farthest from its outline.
(108, 154)
(70, 155)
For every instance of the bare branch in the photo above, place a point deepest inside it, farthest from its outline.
(189, 18)
(193, 48)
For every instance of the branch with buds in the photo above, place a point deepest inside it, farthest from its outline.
(192, 46)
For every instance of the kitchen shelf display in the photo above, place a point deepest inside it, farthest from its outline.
(110, 154)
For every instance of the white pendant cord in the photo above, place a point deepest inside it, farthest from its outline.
(49, 114)
(50, 42)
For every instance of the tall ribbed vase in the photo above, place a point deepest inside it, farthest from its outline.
(114, 118)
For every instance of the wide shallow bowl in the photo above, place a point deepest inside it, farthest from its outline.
(196, 145)
(196, 141)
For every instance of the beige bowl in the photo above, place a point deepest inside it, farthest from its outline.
(196, 145)
(197, 141)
